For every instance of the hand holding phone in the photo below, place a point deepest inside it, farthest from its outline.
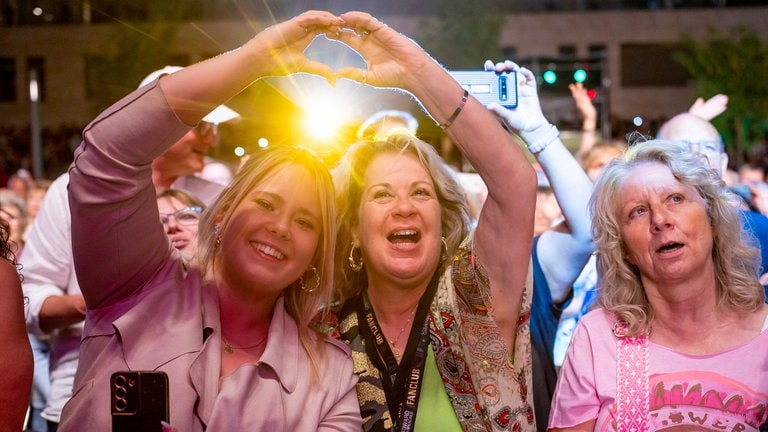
(489, 87)
(139, 401)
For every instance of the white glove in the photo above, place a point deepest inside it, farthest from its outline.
(526, 119)
(527, 116)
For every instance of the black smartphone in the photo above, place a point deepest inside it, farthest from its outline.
(139, 401)
(490, 87)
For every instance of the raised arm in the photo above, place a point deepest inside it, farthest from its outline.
(562, 252)
(589, 117)
(118, 240)
(506, 220)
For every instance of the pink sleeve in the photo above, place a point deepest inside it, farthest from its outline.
(576, 395)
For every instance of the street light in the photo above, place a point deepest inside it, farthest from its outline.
(34, 125)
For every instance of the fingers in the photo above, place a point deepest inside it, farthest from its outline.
(361, 22)
(528, 78)
(489, 66)
(498, 110)
(354, 74)
(318, 22)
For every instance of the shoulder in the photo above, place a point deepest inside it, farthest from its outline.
(10, 285)
(337, 347)
(597, 320)
(9, 275)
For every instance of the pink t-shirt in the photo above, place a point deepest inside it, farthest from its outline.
(720, 392)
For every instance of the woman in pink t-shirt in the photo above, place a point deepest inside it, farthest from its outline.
(680, 341)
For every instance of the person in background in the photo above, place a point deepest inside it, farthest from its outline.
(56, 305)
(232, 334)
(180, 214)
(34, 201)
(180, 166)
(559, 254)
(16, 363)
(548, 211)
(13, 210)
(588, 112)
(383, 122)
(703, 140)
(680, 337)
(437, 316)
(20, 183)
(20, 213)
(593, 156)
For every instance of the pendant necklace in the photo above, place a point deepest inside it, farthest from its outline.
(393, 342)
(230, 349)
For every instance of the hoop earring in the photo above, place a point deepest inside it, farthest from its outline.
(217, 234)
(444, 253)
(316, 278)
(355, 266)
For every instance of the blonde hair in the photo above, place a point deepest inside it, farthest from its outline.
(736, 262)
(349, 175)
(302, 306)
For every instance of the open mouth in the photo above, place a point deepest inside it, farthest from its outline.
(669, 247)
(404, 236)
(269, 251)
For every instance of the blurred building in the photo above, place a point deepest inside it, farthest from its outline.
(625, 45)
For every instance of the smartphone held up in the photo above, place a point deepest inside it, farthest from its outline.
(489, 87)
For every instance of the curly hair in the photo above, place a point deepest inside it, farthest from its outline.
(6, 249)
(735, 260)
(349, 175)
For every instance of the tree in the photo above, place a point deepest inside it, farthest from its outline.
(137, 48)
(464, 33)
(734, 64)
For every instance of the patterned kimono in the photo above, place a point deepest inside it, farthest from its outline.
(488, 387)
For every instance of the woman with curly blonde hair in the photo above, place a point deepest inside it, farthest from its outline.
(681, 313)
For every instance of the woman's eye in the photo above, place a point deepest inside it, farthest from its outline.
(380, 195)
(266, 205)
(676, 198)
(306, 223)
(637, 211)
(422, 192)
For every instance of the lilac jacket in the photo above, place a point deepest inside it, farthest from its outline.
(146, 311)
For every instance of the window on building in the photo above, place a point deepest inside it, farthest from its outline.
(651, 65)
(7, 79)
(510, 53)
(567, 51)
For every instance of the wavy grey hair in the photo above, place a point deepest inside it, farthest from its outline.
(736, 261)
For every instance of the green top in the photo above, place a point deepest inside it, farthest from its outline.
(435, 412)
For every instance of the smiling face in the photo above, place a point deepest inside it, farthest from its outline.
(664, 226)
(272, 236)
(399, 221)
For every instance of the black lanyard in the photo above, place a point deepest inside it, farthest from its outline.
(401, 382)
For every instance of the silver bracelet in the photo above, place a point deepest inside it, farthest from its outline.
(539, 138)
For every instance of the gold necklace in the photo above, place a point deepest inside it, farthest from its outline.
(393, 343)
(230, 349)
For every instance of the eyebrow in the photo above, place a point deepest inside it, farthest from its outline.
(275, 197)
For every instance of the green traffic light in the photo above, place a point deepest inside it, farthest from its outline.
(550, 77)
(580, 75)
